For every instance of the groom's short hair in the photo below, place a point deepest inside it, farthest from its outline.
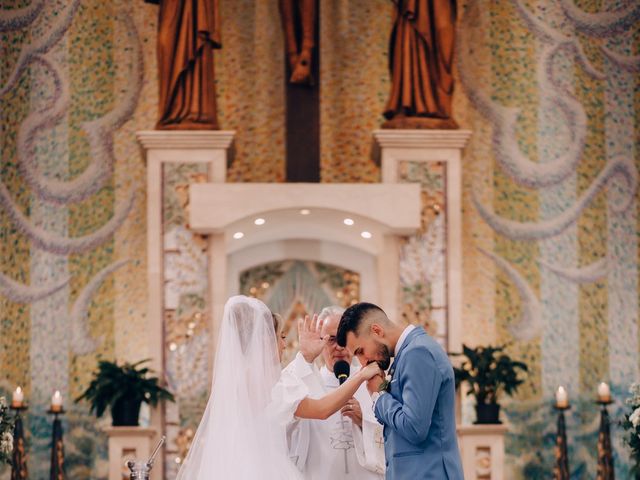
(352, 318)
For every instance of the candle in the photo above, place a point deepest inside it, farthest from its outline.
(604, 393)
(562, 398)
(18, 398)
(56, 402)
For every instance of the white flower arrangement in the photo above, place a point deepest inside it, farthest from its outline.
(6, 432)
(634, 418)
(631, 424)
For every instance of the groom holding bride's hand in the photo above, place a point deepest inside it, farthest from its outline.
(416, 403)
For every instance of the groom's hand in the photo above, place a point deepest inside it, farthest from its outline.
(311, 343)
(373, 385)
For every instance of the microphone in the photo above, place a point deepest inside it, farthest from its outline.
(341, 370)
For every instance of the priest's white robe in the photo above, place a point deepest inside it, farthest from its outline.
(334, 448)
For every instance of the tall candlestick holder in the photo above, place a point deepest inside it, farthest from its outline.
(606, 469)
(57, 446)
(19, 456)
(561, 467)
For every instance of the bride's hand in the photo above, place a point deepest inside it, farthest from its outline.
(371, 371)
(311, 343)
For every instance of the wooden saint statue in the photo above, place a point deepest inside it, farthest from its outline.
(299, 21)
(188, 31)
(421, 63)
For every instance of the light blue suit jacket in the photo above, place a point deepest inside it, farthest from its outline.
(418, 413)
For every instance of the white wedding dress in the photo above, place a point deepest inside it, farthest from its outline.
(237, 437)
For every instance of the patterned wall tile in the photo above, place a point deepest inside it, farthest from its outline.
(354, 84)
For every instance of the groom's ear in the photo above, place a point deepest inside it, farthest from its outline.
(377, 330)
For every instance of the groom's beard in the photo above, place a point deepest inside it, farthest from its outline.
(384, 356)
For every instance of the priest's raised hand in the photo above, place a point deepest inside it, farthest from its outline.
(310, 341)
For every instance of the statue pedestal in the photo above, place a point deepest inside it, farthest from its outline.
(126, 443)
(482, 451)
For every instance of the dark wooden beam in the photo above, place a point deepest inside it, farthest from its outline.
(303, 121)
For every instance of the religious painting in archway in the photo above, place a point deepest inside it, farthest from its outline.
(295, 288)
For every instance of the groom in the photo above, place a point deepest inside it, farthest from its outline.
(416, 407)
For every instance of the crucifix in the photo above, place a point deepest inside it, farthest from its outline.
(300, 21)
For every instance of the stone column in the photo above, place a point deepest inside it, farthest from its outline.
(211, 147)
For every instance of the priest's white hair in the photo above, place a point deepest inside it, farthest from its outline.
(328, 312)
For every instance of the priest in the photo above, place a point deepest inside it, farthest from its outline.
(349, 444)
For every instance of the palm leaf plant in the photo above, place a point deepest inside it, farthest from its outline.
(488, 371)
(122, 389)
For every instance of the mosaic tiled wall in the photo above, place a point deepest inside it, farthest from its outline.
(74, 87)
(354, 84)
(423, 262)
(187, 341)
(549, 88)
(250, 88)
(550, 210)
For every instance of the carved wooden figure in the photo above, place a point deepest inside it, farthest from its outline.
(421, 62)
(299, 21)
(188, 31)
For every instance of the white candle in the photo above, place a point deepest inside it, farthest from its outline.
(562, 398)
(604, 393)
(56, 402)
(18, 398)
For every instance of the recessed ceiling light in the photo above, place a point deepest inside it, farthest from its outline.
(259, 221)
(366, 234)
(348, 221)
(305, 211)
(238, 235)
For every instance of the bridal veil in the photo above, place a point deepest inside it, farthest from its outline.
(237, 438)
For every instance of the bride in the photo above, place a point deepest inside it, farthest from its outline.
(242, 433)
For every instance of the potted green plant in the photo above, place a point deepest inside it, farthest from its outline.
(123, 389)
(488, 372)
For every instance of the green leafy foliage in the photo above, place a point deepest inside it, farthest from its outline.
(113, 382)
(488, 372)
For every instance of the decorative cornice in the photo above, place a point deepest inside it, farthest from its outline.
(394, 138)
(185, 139)
(213, 206)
